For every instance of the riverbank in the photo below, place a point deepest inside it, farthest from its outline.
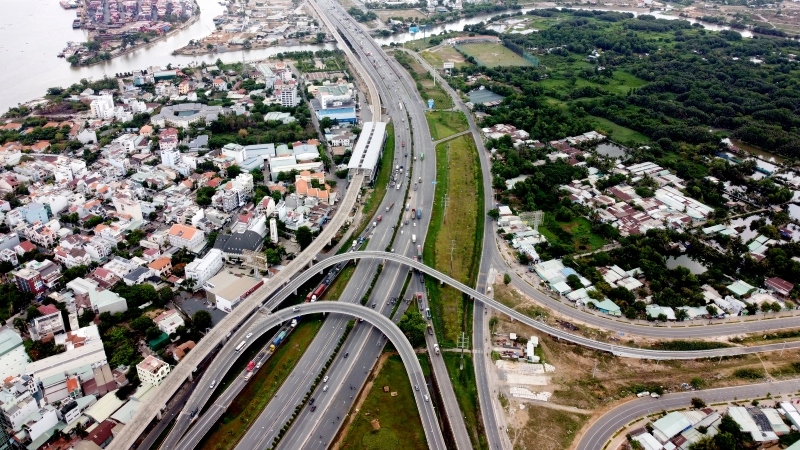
(143, 45)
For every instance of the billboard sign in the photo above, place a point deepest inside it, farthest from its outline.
(449, 65)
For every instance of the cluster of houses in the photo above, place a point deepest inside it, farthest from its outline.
(680, 429)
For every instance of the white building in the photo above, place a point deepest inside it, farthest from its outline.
(227, 290)
(126, 206)
(169, 321)
(152, 370)
(202, 269)
(185, 236)
(102, 107)
(170, 158)
(286, 93)
(50, 322)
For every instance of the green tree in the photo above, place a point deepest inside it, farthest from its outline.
(681, 315)
(304, 237)
(233, 171)
(142, 324)
(506, 278)
(165, 295)
(413, 326)
(201, 320)
(574, 281)
(698, 403)
(152, 333)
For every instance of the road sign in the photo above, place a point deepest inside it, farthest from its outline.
(449, 65)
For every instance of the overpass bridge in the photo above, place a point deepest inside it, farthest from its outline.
(433, 434)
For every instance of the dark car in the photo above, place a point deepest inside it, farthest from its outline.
(346, 354)
(313, 408)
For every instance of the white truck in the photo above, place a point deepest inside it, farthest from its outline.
(414, 238)
(436, 348)
(643, 394)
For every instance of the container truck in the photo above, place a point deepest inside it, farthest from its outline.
(419, 252)
(390, 207)
(279, 339)
(413, 212)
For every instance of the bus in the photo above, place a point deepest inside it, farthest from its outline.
(240, 346)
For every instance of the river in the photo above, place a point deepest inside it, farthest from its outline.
(33, 32)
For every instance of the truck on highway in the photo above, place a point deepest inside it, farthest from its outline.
(414, 238)
(419, 252)
(390, 206)
(240, 346)
(279, 339)
(422, 156)
(436, 348)
(413, 213)
(643, 394)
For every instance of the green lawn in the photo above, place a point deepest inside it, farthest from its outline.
(581, 230)
(262, 387)
(397, 417)
(493, 55)
(458, 175)
(467, 395)
(446, 123)
(438, 56)
(616, 132)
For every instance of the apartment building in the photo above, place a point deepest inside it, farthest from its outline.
(152, 370)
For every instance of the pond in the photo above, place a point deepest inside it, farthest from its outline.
(745, 232)
(610, 150)
(685, 261)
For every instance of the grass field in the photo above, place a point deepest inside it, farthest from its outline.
(436, 57)
(425, 85)
(398, 418)
(616, 132)
(560, 427)
(458, 176)
(445, 123)
(387, 14)
(467, 396)
(261, 388)
(581, 230)
(493, 55)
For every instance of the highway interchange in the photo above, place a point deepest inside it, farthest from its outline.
(363, 344)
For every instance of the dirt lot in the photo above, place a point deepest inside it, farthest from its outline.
(587, 383)
(439, 55)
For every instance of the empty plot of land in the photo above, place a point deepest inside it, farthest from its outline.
(439, 55)
(493, 55)
(387, 14)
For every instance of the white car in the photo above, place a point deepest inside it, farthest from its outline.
(325, 380)
(249, 335)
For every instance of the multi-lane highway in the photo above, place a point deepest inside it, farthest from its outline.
(433, 433)
(607, 425)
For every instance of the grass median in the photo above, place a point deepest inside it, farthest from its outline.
(446, 123)
(453, 243)
(262, 387)
(384, 421)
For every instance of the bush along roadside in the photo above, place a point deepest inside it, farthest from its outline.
(317, 380)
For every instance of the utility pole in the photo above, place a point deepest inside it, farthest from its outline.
(463, 342)
(453, 246)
